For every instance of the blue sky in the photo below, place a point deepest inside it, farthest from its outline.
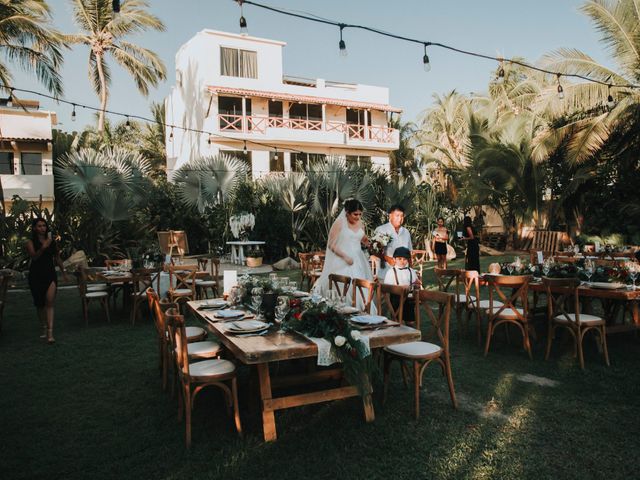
(496, 27)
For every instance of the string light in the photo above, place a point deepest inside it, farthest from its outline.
(171, 134)
(275, 156)
(244, 149)
(500, 77)
(128, 124)
(560, 89)
(243, 21)
(73, 113)
(425, 59)
(610, 101)
(209, 141)
(115, 4)
(341, 44)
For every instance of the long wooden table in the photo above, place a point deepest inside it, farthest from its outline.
(272, 347)
(631, 297)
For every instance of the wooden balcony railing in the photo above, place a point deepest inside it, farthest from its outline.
(259, 124)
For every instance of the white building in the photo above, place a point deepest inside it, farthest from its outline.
(26, 151)
(233, 86)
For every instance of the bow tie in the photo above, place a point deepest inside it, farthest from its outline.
(403, 268)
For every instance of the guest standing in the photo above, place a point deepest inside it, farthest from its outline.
(43, 280)
(472, 259)
(440, 242)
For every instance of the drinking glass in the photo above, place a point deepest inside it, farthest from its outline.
(546, 268)
(510, 268)
(284, 283)
(293, 286)
(273, 277)
(588, 269)
(633, 273)
(256, 299)
(333, 297)
(282, 308)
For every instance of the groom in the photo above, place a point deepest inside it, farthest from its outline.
(400, 237)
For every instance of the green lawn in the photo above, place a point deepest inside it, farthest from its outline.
(91, 406)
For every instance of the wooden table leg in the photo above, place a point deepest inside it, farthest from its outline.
(369, 413)
(635, 315)
(268, 416)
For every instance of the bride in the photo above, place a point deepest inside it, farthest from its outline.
(344, 255)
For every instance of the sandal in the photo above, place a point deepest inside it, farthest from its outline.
(50, 339)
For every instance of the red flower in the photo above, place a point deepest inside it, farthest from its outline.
(297, 315)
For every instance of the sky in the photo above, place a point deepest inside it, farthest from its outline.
(507, 28)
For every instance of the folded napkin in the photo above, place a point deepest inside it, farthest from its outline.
(248, 325)
(229, 313)
(368, 319)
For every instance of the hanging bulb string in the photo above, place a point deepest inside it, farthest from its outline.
(377, 31)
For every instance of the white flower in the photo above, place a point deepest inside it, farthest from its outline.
(339, 341)
(356, 335)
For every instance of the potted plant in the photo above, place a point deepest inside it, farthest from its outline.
(254, 257)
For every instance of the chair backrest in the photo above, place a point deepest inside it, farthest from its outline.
(178, 340)
(547, 240)
(144, 278)
(158, 309)
(306, 263)
(562, 292)
(385, 294)
(184, 276)
(340, 282)
(519, 285)
(214, 266)
(418, 257)
(448, 278)
(471, 283)
(366, 290)
(437, 307)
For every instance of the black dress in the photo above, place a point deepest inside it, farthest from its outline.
(472, 260)
(42, 272)
(441, 247)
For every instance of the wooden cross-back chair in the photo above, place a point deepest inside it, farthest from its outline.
(116, 287)
(418, 260)
(547, 240)
(182, 281)
(508, 312)
(563, 310)
(473, 304)
(364, 293)
(143, 279)
(210, 280)
(341, 283)
(193, 377)
(449, 282)
(386, 293)
(311, 264)
(86, 295)
(437, 309)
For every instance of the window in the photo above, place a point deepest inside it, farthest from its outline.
(300, 161)
(276, 162)
(238, 63)
(31, 164)
(231, 110)
(356, 117)
(243, 157)
(305, 111)
(275, 109)
(360, 160)
(6, 163)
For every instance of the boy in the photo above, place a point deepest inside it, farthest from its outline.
(402, 274)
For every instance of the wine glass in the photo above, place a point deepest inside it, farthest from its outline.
(510, 268)
(546, 268)
(633, 273)
(333, 297)
(293, 286)
(588, 269)
(282, 308)
(256, 299)
(284, 283)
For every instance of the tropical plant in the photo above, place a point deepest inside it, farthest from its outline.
(27, 39)
(402, 161)
(104, 33)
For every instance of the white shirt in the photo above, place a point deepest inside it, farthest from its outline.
(401, 238)
(406, 276)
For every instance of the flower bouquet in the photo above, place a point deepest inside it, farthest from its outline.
(241, 224)
(378, 244)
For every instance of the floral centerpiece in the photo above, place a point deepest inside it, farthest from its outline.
(316, 318)
(378, 244)
(241, 224)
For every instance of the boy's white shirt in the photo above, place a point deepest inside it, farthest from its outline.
(405, 276)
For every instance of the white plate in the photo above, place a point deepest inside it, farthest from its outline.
(300, 294)
(229, 314)
(606, 285)
(348, 310)
(247, 326)
(216, 302)
(368, 319)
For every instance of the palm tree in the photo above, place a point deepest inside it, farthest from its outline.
(402, 160)
(27, 39)
(618, 22)
(104, 33)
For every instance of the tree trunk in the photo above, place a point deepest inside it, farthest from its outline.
(103, 92)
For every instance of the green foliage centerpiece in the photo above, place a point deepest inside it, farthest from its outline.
(317, 318)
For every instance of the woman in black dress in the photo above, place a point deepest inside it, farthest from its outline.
(43, 280)
(472, 260)
(440, 241)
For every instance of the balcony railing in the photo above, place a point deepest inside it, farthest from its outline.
(259, 124)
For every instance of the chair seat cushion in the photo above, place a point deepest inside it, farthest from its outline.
(181, 291)
(507, 312)
(584, 318)
(206, 349)
(462, 298)
(484, 304)
(98, 294)
(207, 283)
(97, 287)
(211, 368)
(415, 349)
(194, 332)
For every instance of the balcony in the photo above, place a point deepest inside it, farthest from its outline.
(310, 131)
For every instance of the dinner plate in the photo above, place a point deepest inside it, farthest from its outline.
(348, 310)
(216, 302)
(247, 326)
(229, 314)
(300, 294)
(368, 319)
(606, 285)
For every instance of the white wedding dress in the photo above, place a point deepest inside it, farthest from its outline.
(343, 241)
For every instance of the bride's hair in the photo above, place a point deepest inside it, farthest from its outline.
(352, 205)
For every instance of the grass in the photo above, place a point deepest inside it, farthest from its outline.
(91, 406)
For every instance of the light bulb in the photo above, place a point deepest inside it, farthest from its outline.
(128, 124)
(610, 101)
(500, 78)
(244, 150)
(243, 26)
(171, 135)
(341, 44)
(560, 92)
(73, 114)
(425, 60)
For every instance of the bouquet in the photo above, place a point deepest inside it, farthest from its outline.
(241, 224)
(378, 244)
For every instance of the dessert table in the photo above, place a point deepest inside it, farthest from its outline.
(261, 350)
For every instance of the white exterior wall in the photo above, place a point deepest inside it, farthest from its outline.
(198, 67)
